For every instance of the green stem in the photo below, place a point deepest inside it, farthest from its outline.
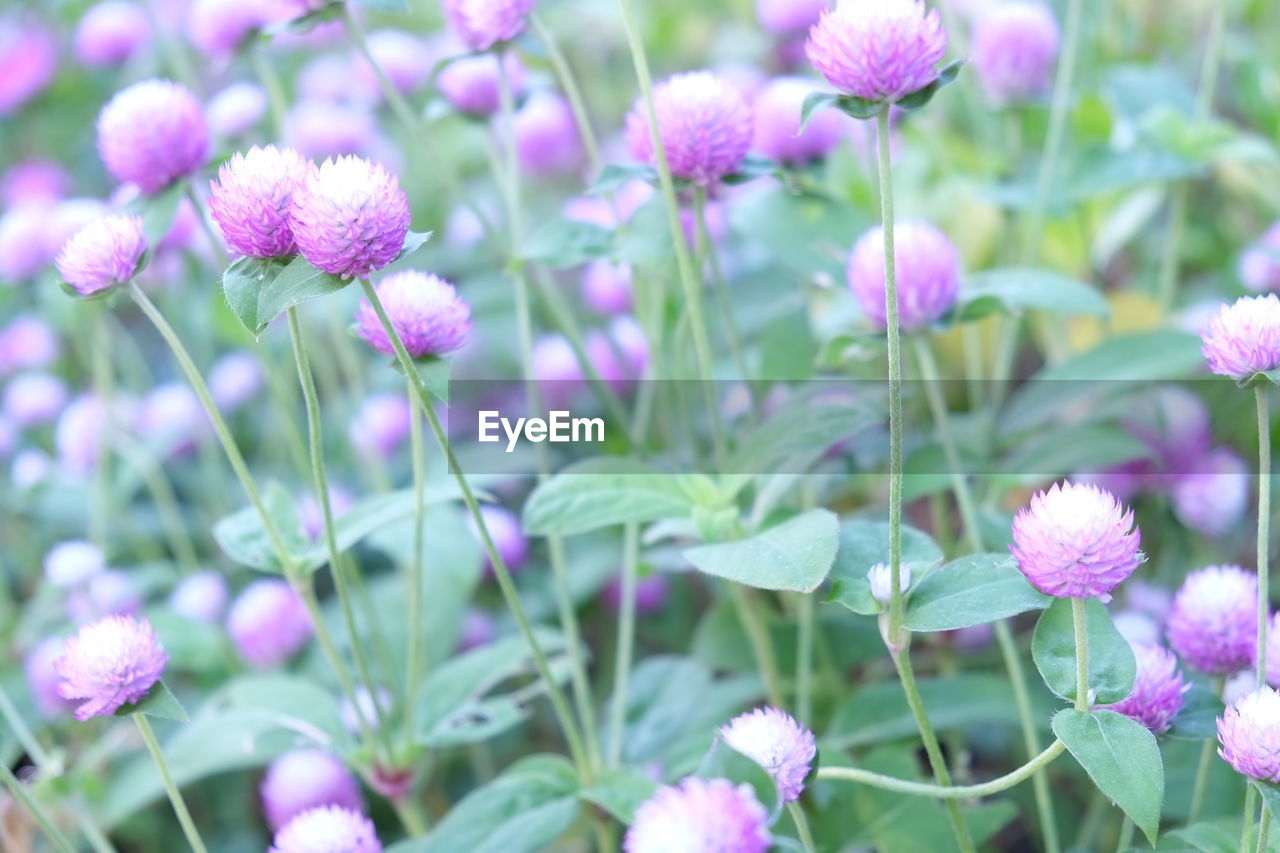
(564, 73)
(944, 792)
(30, 743)
(931, 379)
(1125, 839)
(21, 794)
(175, 795)
(103, 387)
(414, 667)
(1264, 524)
(165, 500)
(1082, 654)
(802, 827)
(277, 101)
(804, 657)
(626, 643)
(1202, 769)
(753, 622)
(1250, 816)
(411, 815)
(705, 255)
(1264, 829)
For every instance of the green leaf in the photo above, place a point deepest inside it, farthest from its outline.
(794, 555)
(615, 176)
(158, 211)
(1206, 838)
(604, 492)
(793, 438)
(1112, 666)
(864, 543)
(1270, 796)
(750, 168)
(814, 103)
(159, 703)
(564, 243)
(242, 537)
(620, 792)
(413, 240)
(433, 375)
(1012, 291)
(1122, 759)
(371, 515)
(920, 97)
(528, 807)
(259, 290)
(973, 590)
(1051, 453)
(1197, 719)
(385, 5)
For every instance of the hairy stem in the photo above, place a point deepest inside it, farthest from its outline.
(945, 792)
(175, 795)
(626, 643)
(1082, 653)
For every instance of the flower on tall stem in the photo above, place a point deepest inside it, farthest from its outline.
(928, 275)
(1249, 734)
(350, 217)
(426, 312)
(878, 50)
(152, 134)
(326, 830)
(1158, 689)
(1244, 337)
(698, 815)
(268, 623)
(103, 255)
(774, 740)
(251, 201)
(481, 24)
(1015, 46)
(110, 663)
(304, 779)
(704, 123)
(1211, 625)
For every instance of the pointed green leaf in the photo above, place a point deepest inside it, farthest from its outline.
(243, 538)
(794, 555)
(615, 176)
(1014, 290)
(864, 543)
(413, 241)
(1197, 719)
(259, 290)
(564, 243)
(1112, 666)
(815, 103)
(620, 792)
(973, 590)
(159, 703)
(601, 493)
(919, 98)
(158, 211)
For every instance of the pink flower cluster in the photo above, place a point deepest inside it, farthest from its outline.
(700, 815)
(878, 50)
(704, 124)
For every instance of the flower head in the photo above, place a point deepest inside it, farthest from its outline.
(382, 425)
(305, 779)
(1212, 624)
(325, 128)
(878, 50)
(1260, 263)
(480, 24)
(153, 133)
(1015, 45)
(471, 83)
(789, 17)
(1157, 691)
(547, 138)
(28, 62)
(1076, 541)
(103, 254)
(24, 252)
(777, 131)
(703, 121)
(218, 28)
(110, 663)
(235, 379)
(43, 678)
(403, 57)
(236, 109)
(508, 536)
(1212, 498)
(1244, 338)
(328, 829)
(72, 563)
(1249, 732)
(350, 217)
(200, 597)
(880, 576)
(425, 311)
(107, 593)
(700, 816)
(31, 399)
(251, 199)
(928, 274)
(606, 287)
(110, 32)
(268, 623)
(26, 342)
(775, 741)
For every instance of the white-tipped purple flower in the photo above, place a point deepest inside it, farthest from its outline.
(480, 24)
(775, 741)
(789, 17)
(1244, 338)
(547, 138)
(268, 623)
(236, 109)
(28, 62)
(103, 255)
(1076, 541)
(43, 678)
(252, 198)
(878, 50)
(1158, 689)
(382, 425)
(704, 123)
(928, 274)
(880, 577)
(471, 83)
(507, 534)
(201, 597)
(1212, 498)
(1212, 624)
(110, 33)
(109, 664)
(328, 829)
(606, 287)
(425, 311)
(1260, 263)
(72, 563)
(305, 779)
(31, 399)
(1249, 732)
(777, 130)
(350, 217)
(1015, 46)
(234, 380)
(152, 134)
(700, 816)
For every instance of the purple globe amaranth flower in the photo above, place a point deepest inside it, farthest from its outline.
(328, 829)
(43, 678)
(321, 128)
(775, 741)
(777, 131)
(1076, 541)
(73, 562)
(651, 593)
(1212, 624)
(32, 399)
(110, 33)
(382, 425)
(77, 434)
(30, 467)
(471, 83)
(788, 17)
(110, 663)
(547, 138)
(218, 28)
(878, 50)
(1158, 689)
(27, 342)
(28, 62)
(103, 255)
(235, 379)
(1212, 498)
(1015, 46)
(507, 534)
(704, 123)
(1260, 263)
(236, 109)
(107, 593)
(200, 597)
(171, 419)
(700, 816)
(606, 287)
(24, 252)
(268, 623)
(425, 311)
(404, 58)
(34, 180)
(480, 24)
(305, 779)
(1244, 338)
(880, 578)
(928, 274)
(350, 217)
(153, 133)
(252, 197)
(1249, 734)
